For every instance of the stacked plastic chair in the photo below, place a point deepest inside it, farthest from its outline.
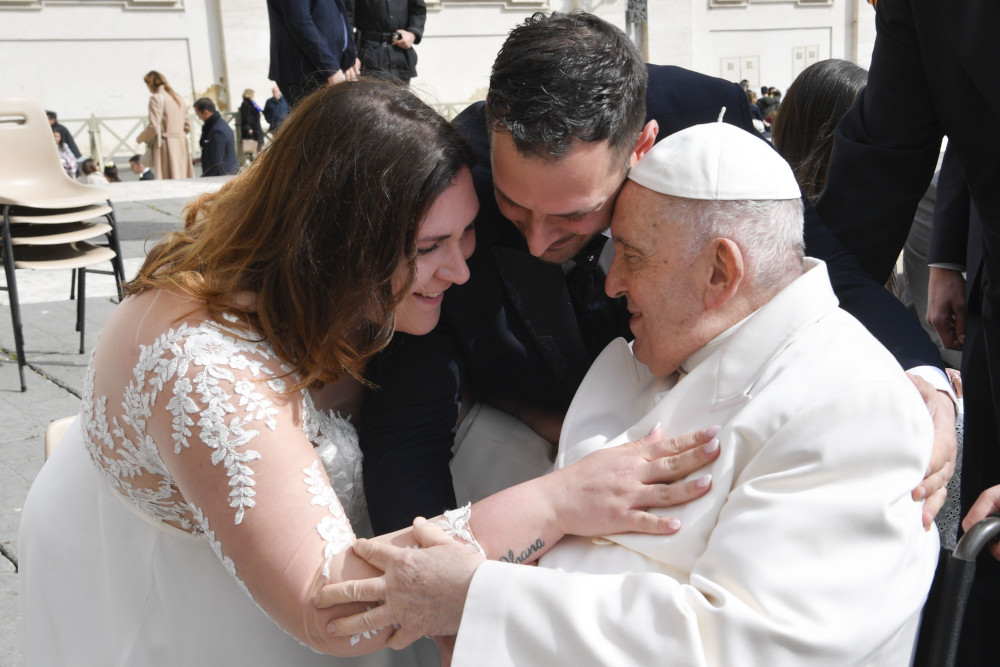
(48, 218)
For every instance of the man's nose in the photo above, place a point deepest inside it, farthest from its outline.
(539, 234)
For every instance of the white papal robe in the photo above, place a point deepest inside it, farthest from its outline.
(808, 550)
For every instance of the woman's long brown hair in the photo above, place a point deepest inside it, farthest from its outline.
(317, 227)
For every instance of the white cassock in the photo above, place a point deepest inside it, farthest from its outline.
(808, 550)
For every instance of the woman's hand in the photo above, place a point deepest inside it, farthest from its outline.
(422, 591)
(611, 490)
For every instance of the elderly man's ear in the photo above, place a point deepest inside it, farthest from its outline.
(725, 271)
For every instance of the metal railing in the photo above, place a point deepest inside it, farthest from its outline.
(113, 137)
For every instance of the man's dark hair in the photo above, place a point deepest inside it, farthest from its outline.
(204, 104)
(136, 159)
(52, 115)
(567, 76)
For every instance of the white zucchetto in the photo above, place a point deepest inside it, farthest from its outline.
(716, 161)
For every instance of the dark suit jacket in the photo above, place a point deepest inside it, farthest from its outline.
(147, 175)
(310, 40)
(511, 329)
(218, 147)
(956, 233)
(933, 72)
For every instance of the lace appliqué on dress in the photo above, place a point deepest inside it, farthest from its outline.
(211, 404)
(334, 528)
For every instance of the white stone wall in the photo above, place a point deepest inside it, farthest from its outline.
(84, 57)
(767, 42)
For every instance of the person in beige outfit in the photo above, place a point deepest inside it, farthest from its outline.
(168, 151)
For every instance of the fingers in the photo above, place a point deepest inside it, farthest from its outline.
(371, 620)
(655, 446)
(666, 495)
(932, 506)
(402, 638)
(671, 467)
(987, 503)
(428, 535)
(363, 590)
(961, 324)
(955, 378)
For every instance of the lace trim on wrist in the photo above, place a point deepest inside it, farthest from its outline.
(456, 524)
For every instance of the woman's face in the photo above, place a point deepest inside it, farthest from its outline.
(445, 239)
(57, 135)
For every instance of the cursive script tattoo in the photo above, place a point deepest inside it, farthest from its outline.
(534, 547)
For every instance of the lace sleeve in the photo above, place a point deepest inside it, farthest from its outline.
(234, 445)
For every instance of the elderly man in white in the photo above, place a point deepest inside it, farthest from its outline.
(807, 550)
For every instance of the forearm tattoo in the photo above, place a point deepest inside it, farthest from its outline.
(525, 555)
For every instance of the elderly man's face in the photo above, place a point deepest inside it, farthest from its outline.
(661, 286)
(558, 205)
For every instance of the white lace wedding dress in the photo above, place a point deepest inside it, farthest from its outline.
(134, 538)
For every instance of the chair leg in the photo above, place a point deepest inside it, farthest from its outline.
(15, 306)
(117, 263)
(81, 304)
(72, 285)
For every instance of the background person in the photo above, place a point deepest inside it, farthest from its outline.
(66, 134)
(250, 120)
(311, 46)
(111, 172)
(275, 110)
(166, 134)
(218, 144)
(884, 156)
(386, 33)
(91, 175)
(139, 169)
(66, 158)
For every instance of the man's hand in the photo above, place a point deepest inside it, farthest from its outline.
(405, 40)
(934, 490)
(946, 306)
(354, 72)
(423, 590)
(336, 77)
(987, 503)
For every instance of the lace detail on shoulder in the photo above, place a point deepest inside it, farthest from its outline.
(200, 360)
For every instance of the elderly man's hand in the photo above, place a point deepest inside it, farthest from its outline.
(422, 591)
(987, 503)
(934, 490)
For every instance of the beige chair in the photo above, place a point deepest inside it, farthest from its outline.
(47, 216)
(54, 432)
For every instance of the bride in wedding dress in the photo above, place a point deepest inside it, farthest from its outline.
(212, 480)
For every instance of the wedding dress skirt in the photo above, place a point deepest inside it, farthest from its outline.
(103, 585)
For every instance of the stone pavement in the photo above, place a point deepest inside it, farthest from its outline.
(55, 370)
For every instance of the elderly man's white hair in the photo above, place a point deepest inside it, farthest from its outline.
(722, 182)
(769, 233)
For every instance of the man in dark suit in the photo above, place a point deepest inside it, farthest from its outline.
(139, 169)
(311, 46)
(523, 331)
(883, 157)
(218, 143)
